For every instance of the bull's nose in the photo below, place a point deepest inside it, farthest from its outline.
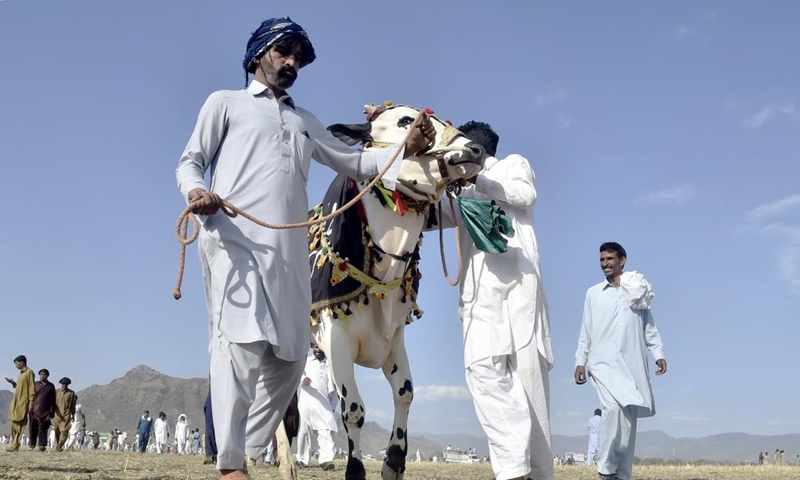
(477, 151)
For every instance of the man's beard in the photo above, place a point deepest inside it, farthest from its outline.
(284, 78)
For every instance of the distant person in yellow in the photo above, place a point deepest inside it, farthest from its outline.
(66, 401)
(22, 402)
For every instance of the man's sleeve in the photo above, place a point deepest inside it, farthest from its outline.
(203, 144)
(651, 336)
(584, 341)
(511, 181)
(361, 165)
(31, 386)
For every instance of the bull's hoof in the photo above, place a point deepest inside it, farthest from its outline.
(388, 474)
(355, 470)
(394, 466)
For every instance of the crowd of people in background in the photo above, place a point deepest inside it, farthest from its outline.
(779, 458)
(154, 436)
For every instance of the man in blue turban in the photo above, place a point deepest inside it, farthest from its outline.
(258, 145)
(277, 31)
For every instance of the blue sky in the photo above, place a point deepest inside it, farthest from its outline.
(670, 127)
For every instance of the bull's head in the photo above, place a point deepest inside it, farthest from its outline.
(424, 176)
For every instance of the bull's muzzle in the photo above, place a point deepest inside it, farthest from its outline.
(471, 153)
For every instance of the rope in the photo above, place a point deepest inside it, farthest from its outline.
(458, 244)
(231, 210)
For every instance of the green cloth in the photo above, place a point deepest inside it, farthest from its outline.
(487, 224)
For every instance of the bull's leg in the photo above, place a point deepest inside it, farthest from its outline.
(398, 373)
(284, 458)
(340, 356)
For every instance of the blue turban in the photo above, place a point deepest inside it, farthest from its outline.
(270, 32)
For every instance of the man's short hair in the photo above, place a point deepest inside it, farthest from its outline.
(482, 134)
(597, 411)
(21, 358)
(44, 371)
(65, 381)
(613, 247)
(147, 412)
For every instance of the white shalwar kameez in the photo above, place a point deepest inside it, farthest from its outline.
(182, 434)
(161, 427)
(594, 438)
(507, 351)
(613, 347)
(317, 405)
(257, 286)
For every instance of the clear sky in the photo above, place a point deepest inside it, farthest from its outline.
(670, 127)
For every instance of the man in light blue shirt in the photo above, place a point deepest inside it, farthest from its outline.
(616, 333)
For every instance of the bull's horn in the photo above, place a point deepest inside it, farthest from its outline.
(369, 108)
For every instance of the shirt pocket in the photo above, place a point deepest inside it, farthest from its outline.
(304, 147)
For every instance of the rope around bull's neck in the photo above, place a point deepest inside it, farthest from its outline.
(231, 210)
(455, 282)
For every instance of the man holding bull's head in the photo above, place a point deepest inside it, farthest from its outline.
(507, 351)
(258, 144)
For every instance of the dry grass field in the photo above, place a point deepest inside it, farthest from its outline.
(28, 465)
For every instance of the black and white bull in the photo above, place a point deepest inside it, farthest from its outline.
(365, 279)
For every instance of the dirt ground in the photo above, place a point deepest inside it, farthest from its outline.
(86, 465)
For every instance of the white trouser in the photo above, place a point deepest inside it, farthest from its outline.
(511, 394)
(245, 375)
(618, 439)
(592, 450)
(182, 446)
(324, 438)
(303, 441)
(270, 456)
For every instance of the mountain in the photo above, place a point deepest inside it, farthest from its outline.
(120, 403)
(725, 447)
(730, 447)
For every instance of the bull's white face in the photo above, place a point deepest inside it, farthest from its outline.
(423, 177)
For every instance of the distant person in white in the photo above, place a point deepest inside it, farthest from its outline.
(616, 332)
(594, 436)
(161, 427)
(316, 401)
(506, 327)
(182, 434)
(419, 458)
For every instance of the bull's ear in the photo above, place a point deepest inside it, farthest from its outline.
(352, 133)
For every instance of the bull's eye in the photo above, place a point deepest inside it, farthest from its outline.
(404, 122)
